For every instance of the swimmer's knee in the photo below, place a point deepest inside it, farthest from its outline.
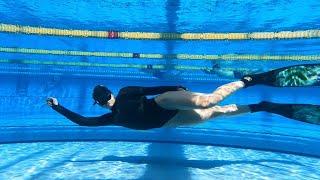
(204, 102)
(204, 114)
(210, 113)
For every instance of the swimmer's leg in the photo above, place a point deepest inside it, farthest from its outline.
(197, 116)
(186, 100)
(308, 113)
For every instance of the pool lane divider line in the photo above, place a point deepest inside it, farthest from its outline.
(254, 57)
(105, 65)
(298, 34)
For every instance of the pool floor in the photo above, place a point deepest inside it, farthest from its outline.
(141, 160)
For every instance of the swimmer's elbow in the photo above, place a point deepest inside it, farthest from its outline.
(90, 122)
(87, 124)
(83, 121)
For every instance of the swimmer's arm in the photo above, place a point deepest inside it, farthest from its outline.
(151, 90)
(103, 120)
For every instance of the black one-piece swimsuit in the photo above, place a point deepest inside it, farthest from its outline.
(132, 109)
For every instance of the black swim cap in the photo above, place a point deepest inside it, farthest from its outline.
(101, 95)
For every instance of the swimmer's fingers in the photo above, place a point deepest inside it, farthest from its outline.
(52, 101)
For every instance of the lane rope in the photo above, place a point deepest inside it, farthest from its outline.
(106, 65)
(254, 57)
(299, 34)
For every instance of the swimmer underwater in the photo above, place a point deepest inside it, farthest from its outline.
(175, 106)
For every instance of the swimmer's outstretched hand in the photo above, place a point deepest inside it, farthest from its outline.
(51, 101)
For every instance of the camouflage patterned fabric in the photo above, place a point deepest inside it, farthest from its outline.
(301, 75)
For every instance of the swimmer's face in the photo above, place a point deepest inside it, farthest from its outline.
(110, 102)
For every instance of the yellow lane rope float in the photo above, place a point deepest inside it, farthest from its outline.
(303, 34)
(164, 56)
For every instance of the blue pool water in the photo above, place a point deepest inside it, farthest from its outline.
(38, 143)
